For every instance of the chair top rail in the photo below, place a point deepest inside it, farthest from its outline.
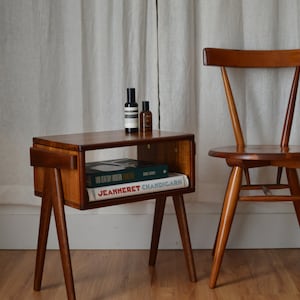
(251, 58)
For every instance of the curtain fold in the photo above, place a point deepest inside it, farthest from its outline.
(65, 66)
(119, 51)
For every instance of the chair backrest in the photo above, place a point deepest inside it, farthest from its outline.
(232, 58)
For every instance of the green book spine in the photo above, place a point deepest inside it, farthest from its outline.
(117, 171)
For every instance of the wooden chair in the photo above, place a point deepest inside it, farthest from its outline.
(242, 157)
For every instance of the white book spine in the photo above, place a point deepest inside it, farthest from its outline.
(173, 181)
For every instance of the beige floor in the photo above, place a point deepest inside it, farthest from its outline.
(245, 274)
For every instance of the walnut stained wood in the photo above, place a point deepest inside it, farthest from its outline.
(125, 275)
(242, 157)
(173, 148)
(59, 178)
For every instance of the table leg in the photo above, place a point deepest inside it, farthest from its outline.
(157, 222)
(53, 196)
(43, 234)
(185, 236)
(59, 214)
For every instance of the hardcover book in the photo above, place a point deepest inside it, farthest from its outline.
(171, 182)
(109, 172)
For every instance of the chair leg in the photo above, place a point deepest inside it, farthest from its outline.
(293, 181)
(59, 213)
(45, 215)
(247, 176)
(297, 209)
(185, 236)
(157, 223)
(216, 237)
(229, 206)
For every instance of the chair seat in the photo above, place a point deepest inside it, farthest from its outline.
(257, 152)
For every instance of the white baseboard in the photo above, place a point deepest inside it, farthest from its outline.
(131, 226)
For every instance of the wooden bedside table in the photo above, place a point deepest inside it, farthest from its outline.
(59, 178)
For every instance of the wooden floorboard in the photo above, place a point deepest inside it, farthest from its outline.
(125, 274)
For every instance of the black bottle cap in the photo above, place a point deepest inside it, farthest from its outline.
(131, 95)
(145, 105)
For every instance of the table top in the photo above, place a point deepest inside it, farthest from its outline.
(108, 139)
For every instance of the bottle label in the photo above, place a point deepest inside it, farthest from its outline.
(131, 117)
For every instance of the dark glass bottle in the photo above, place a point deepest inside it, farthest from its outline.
(145, 118)
(131, 112)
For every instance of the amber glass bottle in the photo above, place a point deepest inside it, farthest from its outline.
(145, 118)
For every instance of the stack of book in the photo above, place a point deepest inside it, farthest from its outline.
(126, 177)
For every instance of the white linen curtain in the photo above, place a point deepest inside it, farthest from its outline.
(65, 66)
